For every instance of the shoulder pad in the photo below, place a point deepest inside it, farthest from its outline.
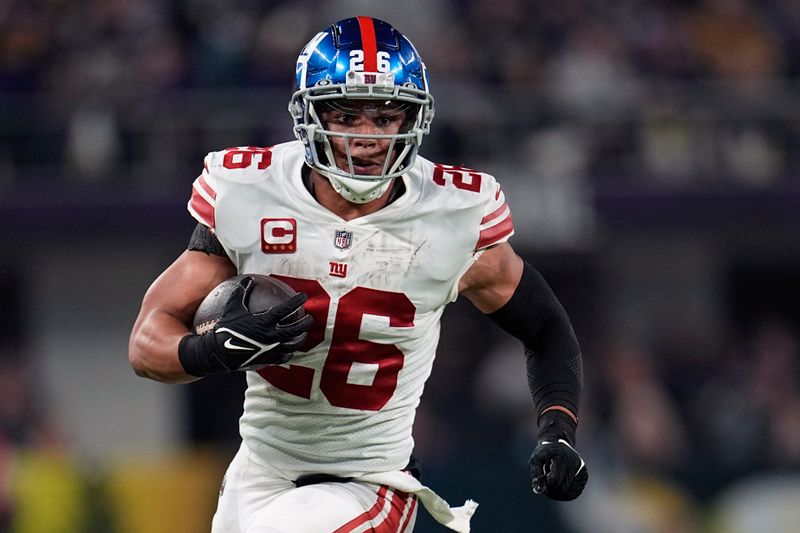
(242, 164)
(476, 190)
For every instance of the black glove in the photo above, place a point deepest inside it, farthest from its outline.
(242, 340)
(556, 468)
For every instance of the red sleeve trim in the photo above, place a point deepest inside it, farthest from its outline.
(496, 233)
(206, 187)
(494, 214)
(202, 209)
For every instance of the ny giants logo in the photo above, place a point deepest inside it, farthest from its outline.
(278, 235)
(338, 270)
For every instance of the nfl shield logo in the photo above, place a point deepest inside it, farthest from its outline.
(343, 239)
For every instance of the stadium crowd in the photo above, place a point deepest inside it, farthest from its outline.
(670, 94)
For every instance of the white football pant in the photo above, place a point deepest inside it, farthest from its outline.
(254, 498)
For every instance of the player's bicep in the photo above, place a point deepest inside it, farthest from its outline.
(167, 311)
(492, 279)
(179, 290)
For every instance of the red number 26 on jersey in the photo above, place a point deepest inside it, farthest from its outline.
(347, 349)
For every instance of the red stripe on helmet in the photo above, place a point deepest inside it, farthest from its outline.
(369, 44)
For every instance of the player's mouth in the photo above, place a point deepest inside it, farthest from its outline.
(366, 166)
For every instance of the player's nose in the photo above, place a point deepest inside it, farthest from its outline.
(368, 130)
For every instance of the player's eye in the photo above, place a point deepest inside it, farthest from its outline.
(389, 119)
(344, 118)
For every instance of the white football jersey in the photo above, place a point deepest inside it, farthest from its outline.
(377, 287)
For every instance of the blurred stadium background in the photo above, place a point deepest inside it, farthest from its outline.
(650, 151)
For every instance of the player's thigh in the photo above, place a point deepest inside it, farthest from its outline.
(337, 508)
(246, 489)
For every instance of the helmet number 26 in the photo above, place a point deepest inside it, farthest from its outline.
(357, 61)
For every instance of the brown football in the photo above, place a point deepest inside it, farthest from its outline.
(267, 293)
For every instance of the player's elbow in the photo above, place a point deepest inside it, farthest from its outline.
(148, 366)
(138, 358)
(138, 365)
(147, 360)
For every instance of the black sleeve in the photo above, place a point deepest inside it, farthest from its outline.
(554, 363)
(203, 240)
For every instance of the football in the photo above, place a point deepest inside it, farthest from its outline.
(267, 293)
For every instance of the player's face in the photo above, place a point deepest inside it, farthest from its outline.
(366, 118)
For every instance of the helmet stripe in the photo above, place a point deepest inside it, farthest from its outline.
(369, 44)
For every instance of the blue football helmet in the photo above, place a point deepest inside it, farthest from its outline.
(360, 58)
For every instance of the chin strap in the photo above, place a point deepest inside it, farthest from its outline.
(339, 184)
(397, 189)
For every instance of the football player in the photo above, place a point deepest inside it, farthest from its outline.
(377, 241)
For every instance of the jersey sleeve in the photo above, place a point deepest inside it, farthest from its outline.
(496, 225)
(202, 204)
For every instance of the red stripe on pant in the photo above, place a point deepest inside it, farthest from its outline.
(391, 523)
(365, 517)
(410, 514)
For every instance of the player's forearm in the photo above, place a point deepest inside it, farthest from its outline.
(555, 366)
(153, 348)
